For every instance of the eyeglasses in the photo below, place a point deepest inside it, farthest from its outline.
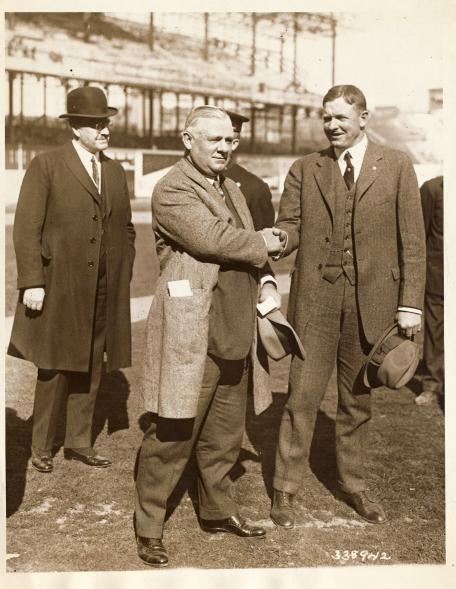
(100, 124)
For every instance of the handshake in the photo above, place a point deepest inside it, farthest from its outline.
(275, 240)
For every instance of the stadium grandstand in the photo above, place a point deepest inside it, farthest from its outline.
(154, 68)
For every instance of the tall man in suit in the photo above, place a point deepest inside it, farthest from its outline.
(433, 353)
(353, 213)
(74, 244)
(201, 335)
(256, 192)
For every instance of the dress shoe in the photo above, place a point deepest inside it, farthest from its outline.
(427, 398)
(232, 525)
(42, 460)
(282, 511)
(365, 507)
(87, 456)
(151, 551)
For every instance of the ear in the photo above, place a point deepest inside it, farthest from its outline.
(363, 118)
(187, 140)
(76, 132)
(235, 144)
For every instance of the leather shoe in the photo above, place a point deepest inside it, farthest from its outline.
(89, 457)
(151, 551)
(232, 525)
(282, 511)
(42, 460)
(365, 507)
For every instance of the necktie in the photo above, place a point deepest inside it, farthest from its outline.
(349, 174)
(95, 175)
(218, 187)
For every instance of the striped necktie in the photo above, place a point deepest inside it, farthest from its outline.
(349, 174)
(95, 174)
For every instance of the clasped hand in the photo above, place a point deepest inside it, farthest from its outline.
(275, 239)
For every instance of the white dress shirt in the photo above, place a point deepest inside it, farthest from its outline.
(86, 159)
(357, 152)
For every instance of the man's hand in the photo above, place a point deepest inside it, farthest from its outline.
(281, 234)
(409, 323)
(272, 240)
(33, 298)
(269, 290)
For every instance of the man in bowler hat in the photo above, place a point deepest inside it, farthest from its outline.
(353, 213)
(256, 192)
(74, 244)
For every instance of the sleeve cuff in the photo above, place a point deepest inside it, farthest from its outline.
(410, 310)
(267, 278)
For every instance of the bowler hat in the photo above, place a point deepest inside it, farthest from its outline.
(89, 102)
(237, 120)
(393, 360)
(278, 337)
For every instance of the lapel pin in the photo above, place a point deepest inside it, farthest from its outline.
(374, 167)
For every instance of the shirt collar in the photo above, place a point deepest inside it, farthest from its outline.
(85, 156)
(357, 151)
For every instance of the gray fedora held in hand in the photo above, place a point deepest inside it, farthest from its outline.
(89, 102)
(392, 361)
(278, 337)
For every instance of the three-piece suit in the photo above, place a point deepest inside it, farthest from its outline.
(360, 255)
(77, 243)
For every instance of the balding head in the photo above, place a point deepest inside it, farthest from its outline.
(208, 139)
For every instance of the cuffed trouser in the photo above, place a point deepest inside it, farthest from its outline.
(333, 332)
(216, 433)
(433, 352)
(78, 388)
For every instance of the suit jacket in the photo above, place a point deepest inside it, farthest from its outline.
(432, 202)
(388, 234)
(257, 195)
(195, 234)
(57, 232)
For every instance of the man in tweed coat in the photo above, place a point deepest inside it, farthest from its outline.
(353, 214)
(201, 329)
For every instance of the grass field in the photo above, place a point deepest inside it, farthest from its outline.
(80, 519)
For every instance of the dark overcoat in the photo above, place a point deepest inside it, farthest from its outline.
(257, 195)
(57, 233)
(432, 202)
(388, 235)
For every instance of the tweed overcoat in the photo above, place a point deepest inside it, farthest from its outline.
(57, 231)
(195, 233)
(388, 235)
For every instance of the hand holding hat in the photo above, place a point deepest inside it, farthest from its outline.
(392, 361)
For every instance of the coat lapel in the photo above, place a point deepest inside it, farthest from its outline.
(324, 174)
(105, 183)
(215, 200)
(369, 169)
(239, 203)
(74, 163)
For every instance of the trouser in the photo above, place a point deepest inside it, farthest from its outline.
(78, 388)
(216, 434)
(433, 352)
(333, 333)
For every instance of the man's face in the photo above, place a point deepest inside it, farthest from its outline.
(210, 144)
(343, 123)
(93, 134)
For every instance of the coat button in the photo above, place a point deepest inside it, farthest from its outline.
(93, 239)
(320, 266)
(327, 239)
(95, 217)
(90, 264)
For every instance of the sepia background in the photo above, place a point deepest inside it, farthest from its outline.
(273, 67)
